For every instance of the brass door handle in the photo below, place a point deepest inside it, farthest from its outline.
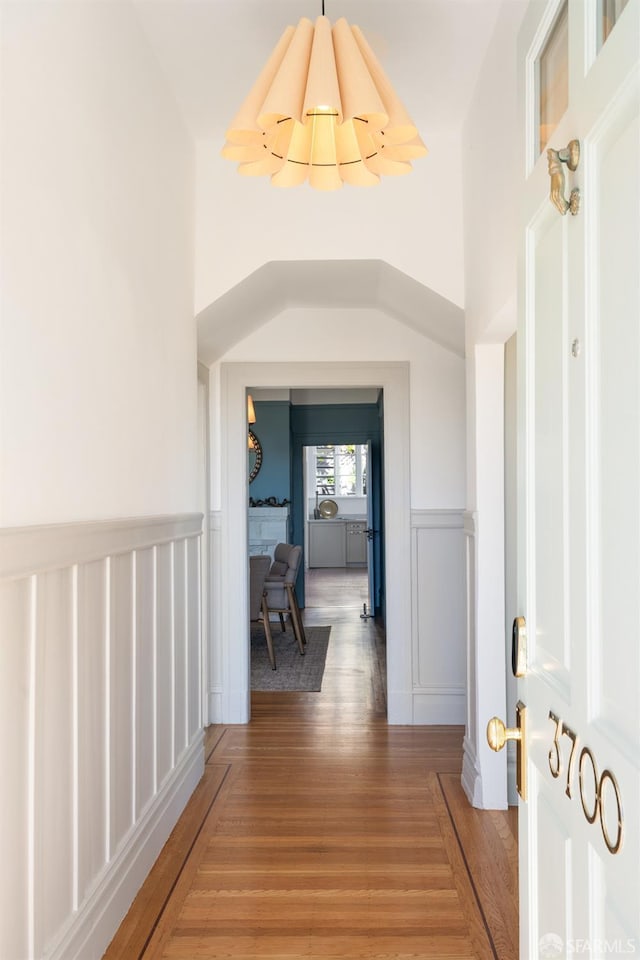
(498, 734)
(555, 158)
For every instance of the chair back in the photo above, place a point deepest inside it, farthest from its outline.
(284, 569)
(258, 570)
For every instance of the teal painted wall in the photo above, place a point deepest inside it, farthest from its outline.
(273, 431)
(284, 430)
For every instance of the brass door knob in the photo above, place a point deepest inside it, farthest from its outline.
(498, 734)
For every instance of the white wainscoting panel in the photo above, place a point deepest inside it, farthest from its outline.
(214, 639)
(16, 795)
(93, 740)
(100, 701)
(471, 777)
(439, 616)
(194, 638)
(121, 679)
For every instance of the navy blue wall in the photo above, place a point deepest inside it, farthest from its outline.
(273, 431)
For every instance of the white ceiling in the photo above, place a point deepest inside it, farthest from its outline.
(211, 51)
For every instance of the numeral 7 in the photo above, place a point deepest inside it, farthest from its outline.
(555, 756)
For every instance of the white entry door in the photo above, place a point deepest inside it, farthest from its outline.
(579, 482)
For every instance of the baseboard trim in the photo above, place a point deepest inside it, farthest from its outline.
(399, 708)
(471, 777)
(92, 928)
(215, 706)
(439, 705)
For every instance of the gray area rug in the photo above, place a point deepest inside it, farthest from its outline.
(293, 671)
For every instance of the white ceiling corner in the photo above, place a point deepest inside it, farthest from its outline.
(331, 284)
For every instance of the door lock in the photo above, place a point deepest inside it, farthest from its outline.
(497, 736)
(519, 647)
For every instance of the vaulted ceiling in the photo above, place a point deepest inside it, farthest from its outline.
(212, 50)
(331, 284)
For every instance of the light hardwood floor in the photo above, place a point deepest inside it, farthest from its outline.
(320, 832)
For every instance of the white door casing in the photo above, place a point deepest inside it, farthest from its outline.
(579, 504)
(393, 377)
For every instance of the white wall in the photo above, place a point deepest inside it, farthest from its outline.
(100, 622)
(98, 349)
(437, 399)
(492, 170)
(424, 482)
(412, 222)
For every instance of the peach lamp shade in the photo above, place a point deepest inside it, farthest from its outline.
(323, 110)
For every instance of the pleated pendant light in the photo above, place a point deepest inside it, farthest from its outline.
(323, 110)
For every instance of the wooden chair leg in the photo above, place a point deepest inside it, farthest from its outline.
(282, 622)
(296, 619)
(267, 632)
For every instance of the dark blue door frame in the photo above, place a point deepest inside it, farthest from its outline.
(313, 425)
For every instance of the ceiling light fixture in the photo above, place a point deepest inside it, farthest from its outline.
(323, 110)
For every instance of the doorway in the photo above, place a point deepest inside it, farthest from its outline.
(231, 698)
(339, 530)
(355, 427)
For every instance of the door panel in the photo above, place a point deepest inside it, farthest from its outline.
(554, 854)
(579, 503)
(548, 465)
(616, 440)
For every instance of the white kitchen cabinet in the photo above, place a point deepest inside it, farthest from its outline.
(356, 544)
(327, 543)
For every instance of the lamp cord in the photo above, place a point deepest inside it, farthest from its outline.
(323, 8)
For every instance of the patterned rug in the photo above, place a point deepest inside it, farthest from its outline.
(293, 672)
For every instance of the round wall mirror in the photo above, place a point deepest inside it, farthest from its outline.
(255, 456)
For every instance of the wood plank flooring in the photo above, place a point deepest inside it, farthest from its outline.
(320, 832)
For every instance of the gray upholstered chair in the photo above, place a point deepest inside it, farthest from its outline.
(279, 589)
(258, 569)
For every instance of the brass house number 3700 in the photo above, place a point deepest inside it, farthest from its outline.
(592, 809)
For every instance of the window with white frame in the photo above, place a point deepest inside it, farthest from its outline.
(341, 470)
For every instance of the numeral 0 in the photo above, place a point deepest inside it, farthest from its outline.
(591, 817)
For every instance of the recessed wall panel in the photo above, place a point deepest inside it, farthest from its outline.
(440, 653)
(54, 755)
(550, 468)
(192, 548)
(616, 666)
(92, 723)
(164, 661)
(553, 875)
(15, 707)
(121, 694)
(180, 647)
(145, 678)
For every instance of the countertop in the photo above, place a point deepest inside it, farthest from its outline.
(342, 519)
